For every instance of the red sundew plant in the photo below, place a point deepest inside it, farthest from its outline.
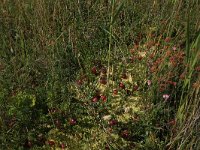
(95, 99)
(72, 121)
(115, 92)
(103, 80)
(94, 71)
(167, 39)
(121, 85)
(62, 146)
(79, 82)
(103, 98)
(135, 87)
(125, 134)
(197, 68)
(172, 122)
(113, 122)
(51, 143)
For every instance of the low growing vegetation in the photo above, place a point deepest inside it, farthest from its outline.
(108, 75)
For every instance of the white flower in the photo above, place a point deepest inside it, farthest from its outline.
(174, 48)
(166, 96)
(149, 82)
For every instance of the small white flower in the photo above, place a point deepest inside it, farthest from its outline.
(174, 48)
(166, 96)
(149, 82)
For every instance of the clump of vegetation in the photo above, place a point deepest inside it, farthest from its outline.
(99, 74)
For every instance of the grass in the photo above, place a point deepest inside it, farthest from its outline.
(99, 74)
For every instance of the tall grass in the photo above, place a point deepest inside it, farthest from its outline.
(45, 45)
(188, 112)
